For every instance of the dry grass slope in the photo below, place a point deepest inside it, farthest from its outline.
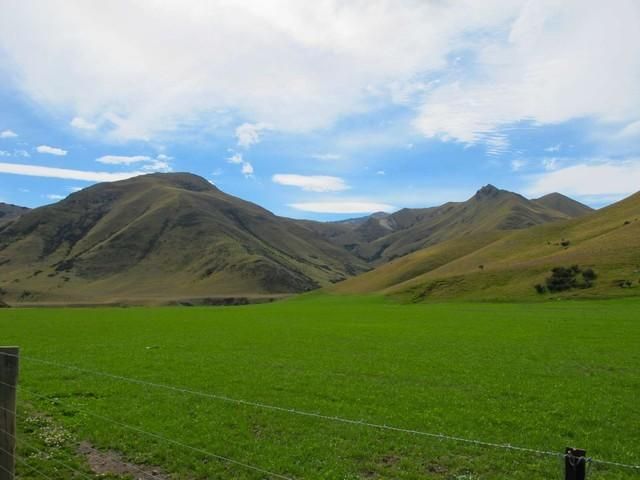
(381, 238)
(158, 238)
(506, 265)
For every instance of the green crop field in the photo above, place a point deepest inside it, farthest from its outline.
(541, 375)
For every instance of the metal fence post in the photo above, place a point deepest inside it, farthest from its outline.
(575, 462)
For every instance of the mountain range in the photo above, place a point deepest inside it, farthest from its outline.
(176, 238)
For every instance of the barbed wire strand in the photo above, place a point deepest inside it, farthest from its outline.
(30, 445)
(17, 458)
(160, 437)
(440, 436)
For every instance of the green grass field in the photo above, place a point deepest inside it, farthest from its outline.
(541, 375)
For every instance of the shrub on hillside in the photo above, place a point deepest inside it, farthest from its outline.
(562, 278)
(589, 275)
(624, 283)
(566, 278)
(540, 288)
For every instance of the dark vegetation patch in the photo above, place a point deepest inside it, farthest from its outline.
(567, 278)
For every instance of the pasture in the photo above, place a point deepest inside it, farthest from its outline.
(541, 376)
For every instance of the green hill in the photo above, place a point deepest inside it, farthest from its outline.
(160, 237)
(561, 203)
(506, 265)
(380, 238)
(164, 238)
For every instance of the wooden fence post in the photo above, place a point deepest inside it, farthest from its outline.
(575, 463)
(8, 384)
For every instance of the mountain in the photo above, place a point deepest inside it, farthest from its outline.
(380, 238)
(9, 212)
(161, 237)
(167, 238)
(561, 203)
(505, 265)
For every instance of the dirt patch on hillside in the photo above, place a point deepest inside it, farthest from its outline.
(111, 462)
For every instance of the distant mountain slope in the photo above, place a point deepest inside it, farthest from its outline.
(9, 212)
(506, 265)
(381, 238)
(561, 203)
(162, 236)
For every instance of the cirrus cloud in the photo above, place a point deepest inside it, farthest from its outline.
(8, 134)
(158, 164)
(342, 207)
(70, 174)
(311, 183)
(82, 124)
(51, 150)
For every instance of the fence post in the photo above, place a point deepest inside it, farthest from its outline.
(8, 384)
(575, 462)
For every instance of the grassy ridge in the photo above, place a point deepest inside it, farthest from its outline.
(537, 375)
(507, 265)
(160, 237)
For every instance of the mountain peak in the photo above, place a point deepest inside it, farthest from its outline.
(487, 191)
(563, 204)
(378, 215)
(186, 181)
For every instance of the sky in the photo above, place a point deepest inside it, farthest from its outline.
(324, 109)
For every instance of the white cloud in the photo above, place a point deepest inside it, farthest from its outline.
(550, 163)
(560, 61)
(343, 207)
(295, 65)
(496, 143)
(8, 134)
(157, 166)
(590, 179)
(247, 169)
(236, 159)
(82, 124)
(149, 164)
(553, 148)
(54, 196)
(300, 66)
(51, 150)
(217, 172)
(631, 130)
(380, 172)
(326, 156)
(249, 133)
(122, 159)
(4, 153)
(88, 176)
(517, 164)
(312, 183)
(21, 153)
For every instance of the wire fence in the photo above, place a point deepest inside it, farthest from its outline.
(287, 410)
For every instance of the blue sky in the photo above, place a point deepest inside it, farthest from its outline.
(324, 110)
